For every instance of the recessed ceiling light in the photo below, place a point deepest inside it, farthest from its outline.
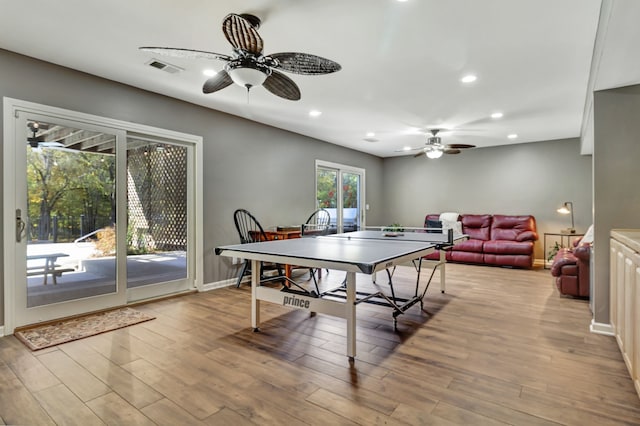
(209, 72)
(406, 148)
(469, 78)
(497, 115)
(315, 113)
(370, 134)
(512, 136)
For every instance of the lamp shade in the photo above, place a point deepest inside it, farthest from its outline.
(434, 153)
(247, 77)
(567, 208)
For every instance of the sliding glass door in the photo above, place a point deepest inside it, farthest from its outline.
(158, 188)
(95, 216)
(66, 201)
(340, 190)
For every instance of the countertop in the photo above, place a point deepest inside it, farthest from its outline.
(629, 237)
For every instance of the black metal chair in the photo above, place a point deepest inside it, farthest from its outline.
(251, 231)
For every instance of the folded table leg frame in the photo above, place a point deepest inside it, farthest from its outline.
(345, 307)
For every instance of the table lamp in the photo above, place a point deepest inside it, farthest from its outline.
(567, 208)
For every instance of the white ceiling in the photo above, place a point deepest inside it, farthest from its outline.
(401, 61)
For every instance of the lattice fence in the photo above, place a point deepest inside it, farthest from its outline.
(157, 197)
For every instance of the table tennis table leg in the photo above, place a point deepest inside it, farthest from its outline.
(443, 262)
(255, 303)
(350, 307)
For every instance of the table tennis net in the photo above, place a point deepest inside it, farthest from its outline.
(434, 235)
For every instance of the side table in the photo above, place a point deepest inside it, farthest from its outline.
(555, 237)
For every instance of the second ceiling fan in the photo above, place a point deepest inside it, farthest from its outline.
(435, 149)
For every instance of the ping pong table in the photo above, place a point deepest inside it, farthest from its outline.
(366, 252)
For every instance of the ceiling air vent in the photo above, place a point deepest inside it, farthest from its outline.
(171, 69)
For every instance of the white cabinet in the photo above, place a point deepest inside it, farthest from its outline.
(624, 309)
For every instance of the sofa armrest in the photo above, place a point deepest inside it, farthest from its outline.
(563, 258)
(582, 252)
(527, 236)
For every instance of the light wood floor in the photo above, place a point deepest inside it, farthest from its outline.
(500, 347)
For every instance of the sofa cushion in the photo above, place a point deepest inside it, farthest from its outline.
(506, 227)
(433, 255)
(477, 226)
(508, 247)
(465, 257)
(514, 260)
(470, 245)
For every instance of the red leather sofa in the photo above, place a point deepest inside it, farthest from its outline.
(499, 240)
(571, 269)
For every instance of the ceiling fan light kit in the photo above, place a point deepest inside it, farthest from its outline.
(249, 67)
(248, 75)
(434, 153)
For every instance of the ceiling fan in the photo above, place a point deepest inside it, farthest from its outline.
(36, 141)
(248, 66)
(434, 147)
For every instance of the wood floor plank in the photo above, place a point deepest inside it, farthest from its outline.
(461, 416)
(114, 410)
(196, 399)
(227, 417)
(416, 416)
(350, 409)
(167, 413)
(80, 381)
(31, 372)
(136, 392)
(65, 408)
(17, 404)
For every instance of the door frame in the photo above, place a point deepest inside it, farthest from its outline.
(342, 168)
(11, 108)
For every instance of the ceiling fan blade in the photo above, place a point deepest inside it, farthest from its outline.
(185, 53)
(281, 85)
(242, 34)
(419, 154)
(460, 146)
(217, 82)
(451, 151)
(305, 63)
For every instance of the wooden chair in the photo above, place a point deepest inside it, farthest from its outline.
(250, 231)
(317, 224)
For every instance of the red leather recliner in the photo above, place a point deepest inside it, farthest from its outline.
(571, 269)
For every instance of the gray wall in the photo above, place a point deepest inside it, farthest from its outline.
(532, 178)
(616, 187)
(260, 168)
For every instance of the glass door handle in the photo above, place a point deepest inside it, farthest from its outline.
(20, 225)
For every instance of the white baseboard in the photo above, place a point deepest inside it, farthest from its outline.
(219, 284)
(601, 328)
